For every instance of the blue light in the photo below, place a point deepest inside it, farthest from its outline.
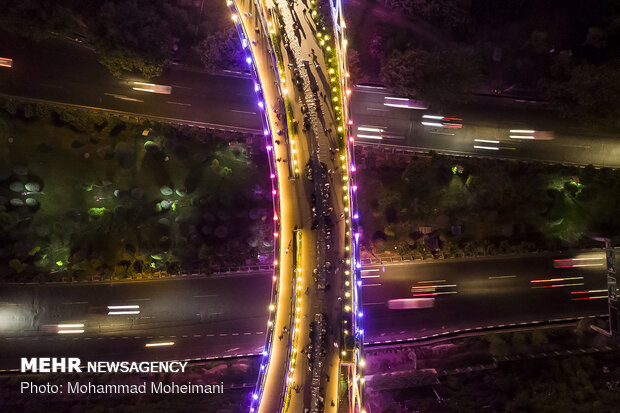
(266, 132)
(261, 104)
(359, 283)
(264, 353)
(255, 396)
(256, 87)
(356, 216)
(249, 60)
(358, 265)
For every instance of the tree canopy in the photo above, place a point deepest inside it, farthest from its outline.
(438, 78)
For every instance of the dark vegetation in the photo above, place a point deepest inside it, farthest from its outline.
(133, 36)
(469, 206)
(568, 55)
(86, 195)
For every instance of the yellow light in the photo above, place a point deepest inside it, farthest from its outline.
(342, 159)
(347, 308)
(329, 48)
(229, 3)
(235, 17)
(346, 209)
(272, 307)
(347, 74)
(285, 91)
(269, 323)
(362, 363)
(322, 42)
(339, 128)
(299, 279)
(331, 71)
(299, 300)
(347, 294)
(347, 248)
(292, 141)
(347, 283)
(335, 99)
(298, 309)
(346, 332)
(348, 261)
(347, 272)
(344, 353)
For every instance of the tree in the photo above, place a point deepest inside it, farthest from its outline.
(589, 93)
(221, 50)
(132, 37)
(437, 78)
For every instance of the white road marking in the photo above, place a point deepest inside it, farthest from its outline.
(179, 103)
(243, 111)
(370, 285)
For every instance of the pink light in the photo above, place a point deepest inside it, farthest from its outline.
(274, 278)
(275, 217)
(274, 192)
(272, 176)
(353, 168)
(275, 234)
(350, 138)
(266, 132)
(350, 121)
(268, 147)
(354, 187)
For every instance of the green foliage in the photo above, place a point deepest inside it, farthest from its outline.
(133, 37)
(17, 266)
(222, 50)
(589, 93)
(436, 78)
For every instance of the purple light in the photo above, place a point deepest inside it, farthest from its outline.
(360, 314)
(274, 192)
(354, 187)
(357, 235)
(356, 216)
(358, 265)
(249, 60)
(262, 367)
(353, 168)
(359, 283)
(268, 147)
(261, 104)
(264, 353)
(272, 176)
(252, 410)
(256, 87)
(255, 396)
(266, 131)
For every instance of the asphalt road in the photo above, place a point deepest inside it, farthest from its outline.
(71, 74)
(65, 71)
(482, 124)
(226, 316)
(204, 317)
(480, 293)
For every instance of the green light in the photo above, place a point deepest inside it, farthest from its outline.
(152, 265)
(59, 263)
(96, 212)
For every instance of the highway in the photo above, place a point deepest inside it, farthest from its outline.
(480, 129)
(72, 75)
(205, 317)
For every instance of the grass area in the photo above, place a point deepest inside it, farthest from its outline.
(471, 206)
(84, 195)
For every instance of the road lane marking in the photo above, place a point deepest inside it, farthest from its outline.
(371, 276)
(179, 103)
(76, 302)
(499, 277)
(370, 285)
(243, 111)
(123, 97)
(383, 302)
(432, 281)
(371, 270)
(378, 110)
